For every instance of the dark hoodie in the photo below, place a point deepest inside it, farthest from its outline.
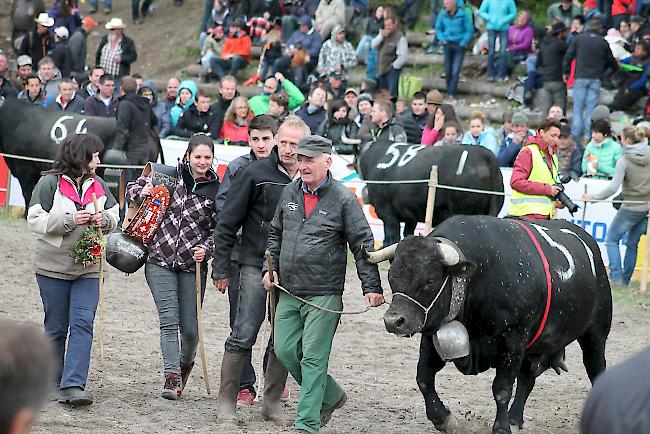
(193, 121)
(163, 125)
(135, 121)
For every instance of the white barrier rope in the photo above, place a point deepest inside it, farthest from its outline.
(45, 160)
(353, 181)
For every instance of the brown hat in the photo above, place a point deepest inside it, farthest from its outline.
(434, 97)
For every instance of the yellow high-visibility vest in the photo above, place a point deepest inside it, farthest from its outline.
(523, 204)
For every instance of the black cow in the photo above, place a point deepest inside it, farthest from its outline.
(488, 275)
(461, 166)
(31, 131)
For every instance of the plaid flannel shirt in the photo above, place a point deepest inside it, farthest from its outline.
(188, 223)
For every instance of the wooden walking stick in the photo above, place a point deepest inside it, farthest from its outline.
(101, 288)
(584, 210)
(199, 319)
(269, 265)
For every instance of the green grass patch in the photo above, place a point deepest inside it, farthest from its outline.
(631, 296)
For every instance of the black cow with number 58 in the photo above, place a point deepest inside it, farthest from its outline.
(464, 166)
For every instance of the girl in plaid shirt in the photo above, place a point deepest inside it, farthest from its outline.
(183, 239)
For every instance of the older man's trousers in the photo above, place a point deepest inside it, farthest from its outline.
(303, 341)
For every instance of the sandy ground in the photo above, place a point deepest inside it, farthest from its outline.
(376, 369)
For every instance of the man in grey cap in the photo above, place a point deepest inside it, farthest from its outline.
(315, 219)
(514, 141)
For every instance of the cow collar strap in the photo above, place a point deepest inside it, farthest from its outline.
(458, 285)
(549, 287)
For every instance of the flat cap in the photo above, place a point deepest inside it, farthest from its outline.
(313, 146)
(519, 119)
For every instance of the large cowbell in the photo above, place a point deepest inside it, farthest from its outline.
(451, 341)
(125, 253)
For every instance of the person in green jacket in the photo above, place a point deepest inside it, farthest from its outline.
(602, 152)
(260, 103)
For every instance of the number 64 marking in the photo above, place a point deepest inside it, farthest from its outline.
(393, 150)
(59, 132)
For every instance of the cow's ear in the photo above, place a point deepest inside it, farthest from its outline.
(463, 269)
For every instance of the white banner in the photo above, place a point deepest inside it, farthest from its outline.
(598, 216)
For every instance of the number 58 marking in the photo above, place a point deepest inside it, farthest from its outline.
(393, 150)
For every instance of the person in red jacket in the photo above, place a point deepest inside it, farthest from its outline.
(234, 130)
(235, 53)
(622, 10)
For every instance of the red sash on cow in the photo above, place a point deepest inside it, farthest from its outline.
(147, 220)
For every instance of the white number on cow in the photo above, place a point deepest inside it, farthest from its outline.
(564, 275)
(393, 151)
(410, 154)
(59, 131)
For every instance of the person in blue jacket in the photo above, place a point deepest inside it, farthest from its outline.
(454, 30)
(498, 14)
(184, 99)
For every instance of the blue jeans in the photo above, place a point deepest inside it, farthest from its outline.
(371, 64)
(390, 81)
(247, 379)
(175, 295)
(250, 313)
(364, 47)
(500, 71)
(454, 55)
(435, 10)
(70, 305)
(95, 4)
(634, 223)
(585, 98)
(221, 67)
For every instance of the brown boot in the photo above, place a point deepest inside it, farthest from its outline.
(231, 369)
(275, 379)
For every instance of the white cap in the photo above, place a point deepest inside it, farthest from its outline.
(62, 32)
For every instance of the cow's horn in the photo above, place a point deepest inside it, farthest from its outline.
(348, 141)
(381, 255)
(450, 255)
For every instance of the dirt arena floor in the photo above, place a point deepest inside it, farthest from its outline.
(376, 369)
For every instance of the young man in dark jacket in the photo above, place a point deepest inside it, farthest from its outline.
(103, 103)
(135, 121)
(593, 58)
(313, 112)
(258, 186)
(316, 219)
(199, 118)
(549, 66)
(261, 138)
(415, 119)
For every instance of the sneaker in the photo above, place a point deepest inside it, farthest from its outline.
(326, 415)
(285, 394)
(245, 398)
(185, 374)
(92, 10)
(172, 389)
(107, 11)
(75, 396)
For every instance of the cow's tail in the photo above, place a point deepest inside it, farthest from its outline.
(496, 200)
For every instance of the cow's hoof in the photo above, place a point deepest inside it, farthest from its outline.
(450, 426)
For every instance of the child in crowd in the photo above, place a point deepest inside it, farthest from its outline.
(451, 135)
(602, 152)
(480, 134)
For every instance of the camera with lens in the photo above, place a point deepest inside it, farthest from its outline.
(562, 197)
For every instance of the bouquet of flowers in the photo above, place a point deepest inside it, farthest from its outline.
(89, 248)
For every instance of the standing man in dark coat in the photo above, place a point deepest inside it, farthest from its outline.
(77, 45)
(316, 219)
(135, 121)
(37, 43)
(549, 67)
(593, 58)
(392, 51)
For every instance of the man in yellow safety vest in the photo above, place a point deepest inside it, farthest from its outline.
(535, 175)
